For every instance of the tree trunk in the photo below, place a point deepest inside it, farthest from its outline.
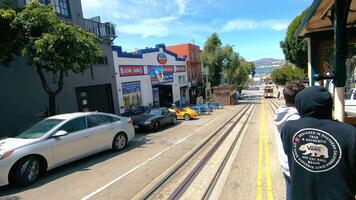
(52, 104)
(51, 95)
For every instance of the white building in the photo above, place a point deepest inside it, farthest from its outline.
(152, 76)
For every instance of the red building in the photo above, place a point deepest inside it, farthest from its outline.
(192, 54)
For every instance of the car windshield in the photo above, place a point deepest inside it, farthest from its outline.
(154, 112)
(38, 130)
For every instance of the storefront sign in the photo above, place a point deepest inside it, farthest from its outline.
(131, 70)
(131, 92)
(162, 58)
(161, 74)
(180, 68)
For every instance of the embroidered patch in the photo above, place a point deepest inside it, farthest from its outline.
(315, 150)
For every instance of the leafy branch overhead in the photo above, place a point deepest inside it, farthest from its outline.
(53, 47)
(294, 48)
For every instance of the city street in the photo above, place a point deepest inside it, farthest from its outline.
(125, 175)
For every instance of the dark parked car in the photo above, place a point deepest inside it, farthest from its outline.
(155, 118)
(135, 111)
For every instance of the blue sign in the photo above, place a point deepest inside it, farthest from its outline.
(130, 87)
(161, 74)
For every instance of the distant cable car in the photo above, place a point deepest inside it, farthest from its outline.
(268, 91)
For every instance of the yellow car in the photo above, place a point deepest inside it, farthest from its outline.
(185, 113)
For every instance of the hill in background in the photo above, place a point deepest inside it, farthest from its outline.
(269, 62)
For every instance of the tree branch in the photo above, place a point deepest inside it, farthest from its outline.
(59, 83)
(44, 81)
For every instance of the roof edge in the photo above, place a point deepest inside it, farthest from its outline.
(307, 17)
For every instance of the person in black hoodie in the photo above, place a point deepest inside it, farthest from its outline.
(321, 152)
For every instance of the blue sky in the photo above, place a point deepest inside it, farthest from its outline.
(254, 27)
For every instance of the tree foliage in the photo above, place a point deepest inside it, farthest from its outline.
(287, 73)
(53, 47)
(212, 57)
(294, 48)
(224, 63)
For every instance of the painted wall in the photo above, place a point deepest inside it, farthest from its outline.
(147, 58)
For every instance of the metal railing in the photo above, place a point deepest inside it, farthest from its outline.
(102, 30)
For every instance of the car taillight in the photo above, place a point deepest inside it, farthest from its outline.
(130, 121)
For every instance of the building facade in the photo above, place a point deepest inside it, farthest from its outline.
(194, 68)
(23, 100)
(152, 76)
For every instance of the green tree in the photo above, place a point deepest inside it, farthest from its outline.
(11, 36)
(212, 57)
(240, 77)
(294, 48)
(287, 73)
(53, 47)
(230, 64)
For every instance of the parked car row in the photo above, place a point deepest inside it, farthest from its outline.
(64, 138)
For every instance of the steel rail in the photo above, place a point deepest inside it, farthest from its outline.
(179, 191)
(217, 175)
(161, 182)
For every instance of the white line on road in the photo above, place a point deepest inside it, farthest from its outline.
(145, 162)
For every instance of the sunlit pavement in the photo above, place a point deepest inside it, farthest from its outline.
(110, 175)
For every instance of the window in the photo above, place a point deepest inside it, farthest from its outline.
(97, 120)
(102, 60)
(74, 125)
(61, 7)
(40, 129)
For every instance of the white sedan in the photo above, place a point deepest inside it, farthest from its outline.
(350, 102)
(59, 140)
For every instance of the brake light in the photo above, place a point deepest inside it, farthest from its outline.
(130, 121)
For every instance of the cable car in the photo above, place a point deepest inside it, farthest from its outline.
(268, 91)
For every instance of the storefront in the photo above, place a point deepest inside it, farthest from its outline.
(152, 76)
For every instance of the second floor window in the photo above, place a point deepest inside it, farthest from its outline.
(61, 7)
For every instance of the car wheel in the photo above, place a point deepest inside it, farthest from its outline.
(27, 171)
(119, 142)
(174, 120)
(186, 117)
(156, 126)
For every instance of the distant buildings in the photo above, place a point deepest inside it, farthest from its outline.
(194, 69)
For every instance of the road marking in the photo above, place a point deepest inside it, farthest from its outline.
(260, 162)
(269, 187)
(263, 153)
(143, 163)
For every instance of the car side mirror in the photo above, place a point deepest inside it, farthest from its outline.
(60, 133)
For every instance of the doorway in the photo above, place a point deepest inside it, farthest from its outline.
(165, 95)
(95, 98)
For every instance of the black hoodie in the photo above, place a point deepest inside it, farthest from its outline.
(321, 152)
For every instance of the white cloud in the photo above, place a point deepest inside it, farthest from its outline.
(182, 6)
(149, 27)
(148, 18)
(243, 24)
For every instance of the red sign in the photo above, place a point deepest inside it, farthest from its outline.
(180, 68)
(131, 70)
(168, 69)
(162, 58)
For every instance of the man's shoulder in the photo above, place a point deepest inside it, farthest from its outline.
(339, 125)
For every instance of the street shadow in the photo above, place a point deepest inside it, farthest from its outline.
(145, 131)
(9, 192)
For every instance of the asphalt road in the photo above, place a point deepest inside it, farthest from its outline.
(126, 172)
(110, 175)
